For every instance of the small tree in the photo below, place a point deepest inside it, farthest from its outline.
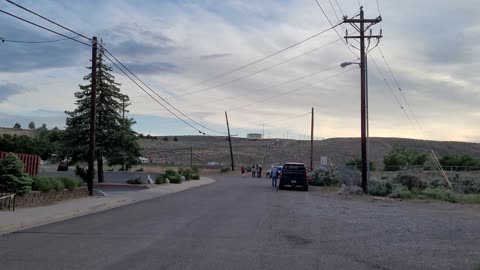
(44, 126)
(17, 125)
(12, 176)
(401, 157)
(31, 125)
(175, 139)
(165, 138)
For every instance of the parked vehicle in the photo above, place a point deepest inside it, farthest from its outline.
(269, 172)
(293, 174)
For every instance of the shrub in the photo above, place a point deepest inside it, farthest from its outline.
(170, 173)
(160, 179)
(135, 181)
(440, 194)
(225, 169)
(43, 184)
(410, 181)
(69, 182)
(195, 169)
(401, 157)
(195, 176)
(57, 184)
(12, 175)
(467, 185)
(400, 191)
(175, 179)
(324, 177)
(379, 187)
(187, 174)
(82, 173)
(62, 167)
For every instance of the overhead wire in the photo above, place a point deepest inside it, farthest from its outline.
(256, 72)
(57, 24)
(291, 91)
(33, 42)
(67, 37)
(44, 28)
(155, 93)
(255, 61)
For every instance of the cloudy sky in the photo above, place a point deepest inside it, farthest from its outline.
(431, 46)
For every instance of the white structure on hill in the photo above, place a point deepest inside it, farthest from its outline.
(254, 136)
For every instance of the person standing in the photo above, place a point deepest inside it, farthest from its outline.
(254, 171)
(242, 169)
(274, 174)
(259, 171)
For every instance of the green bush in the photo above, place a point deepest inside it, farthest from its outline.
(12, 176)
(135, 181)
(401, 157)
(175, 179)
(82, 173)
(460, 162)
(440, 194)
(69, 182)
(467, 185)
(187, 173)
(400, 191)
(195, 169)
(58, 183)
(160, 179)
(379, 187)
(170, 173)
(324, 177)
(195, 176)
(410, 181)
(225, 169)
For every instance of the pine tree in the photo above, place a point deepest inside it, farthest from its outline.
(31, 125)
(114, 135)
(17, 125)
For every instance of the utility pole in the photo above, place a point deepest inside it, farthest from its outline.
(93, 112)
(311, 144)
(230, 142)
(191, 157)
(359, 25)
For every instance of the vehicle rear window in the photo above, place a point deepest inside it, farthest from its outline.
(293, 167)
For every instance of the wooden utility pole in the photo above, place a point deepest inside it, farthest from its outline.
(311, 144)
(230, 142)
(93, 112)
(363, 79)
(191, 157)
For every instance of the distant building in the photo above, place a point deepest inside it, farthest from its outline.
(254, 136)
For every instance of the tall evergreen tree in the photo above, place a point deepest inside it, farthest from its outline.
(114, 134)
(31, 125)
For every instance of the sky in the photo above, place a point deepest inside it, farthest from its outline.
(177, 47)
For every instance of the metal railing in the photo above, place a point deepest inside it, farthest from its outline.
(7, 198)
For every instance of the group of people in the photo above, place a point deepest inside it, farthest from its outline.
(255, 169)
(257, 173)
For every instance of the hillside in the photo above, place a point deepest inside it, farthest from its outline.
(269, 151)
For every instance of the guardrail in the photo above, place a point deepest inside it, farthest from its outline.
(7, 199)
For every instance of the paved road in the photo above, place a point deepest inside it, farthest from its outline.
(241, 223)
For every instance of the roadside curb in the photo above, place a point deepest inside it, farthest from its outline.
(123, 201)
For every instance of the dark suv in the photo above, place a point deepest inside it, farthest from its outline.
(293, 174)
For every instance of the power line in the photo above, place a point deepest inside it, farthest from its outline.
(330, 22)
(265, 88)
(44, 28)
(401, 91)
(68, 29)
(256, 61)
(161, 104)
(29, 42)
(256, 72)
(153, 91)
(291, 91)
(107, 58)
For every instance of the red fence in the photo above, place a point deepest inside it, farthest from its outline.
(31, 163)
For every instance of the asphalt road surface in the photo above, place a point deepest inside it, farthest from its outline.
(242, 223)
